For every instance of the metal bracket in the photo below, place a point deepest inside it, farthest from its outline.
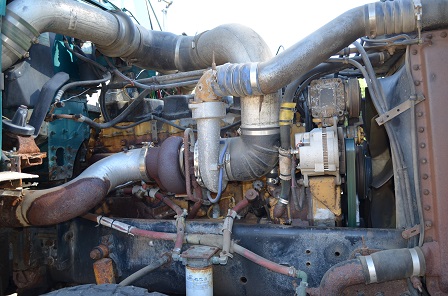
(154, 131)
(410, 232)
(394, 112)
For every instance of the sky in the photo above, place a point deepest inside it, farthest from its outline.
(279, 23)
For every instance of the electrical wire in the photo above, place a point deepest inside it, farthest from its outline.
(60, 93)
(221, 174)
(75, 96)
(82, 57)
(157, 19)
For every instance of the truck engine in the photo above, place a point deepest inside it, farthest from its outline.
(209, 166)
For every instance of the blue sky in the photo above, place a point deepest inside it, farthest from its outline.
(278, 22)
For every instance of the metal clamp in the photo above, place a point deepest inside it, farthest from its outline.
(372, 20)
(142, 163)
(372, 271)
(415, 262)
(391, 114)
(410, 232)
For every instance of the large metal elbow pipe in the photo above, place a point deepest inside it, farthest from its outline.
(374, 19)
(74, 198)
(382, 266)
(115, 35)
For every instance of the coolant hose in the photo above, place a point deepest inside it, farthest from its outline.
(145, 270)
(46, 95)
(382, 266)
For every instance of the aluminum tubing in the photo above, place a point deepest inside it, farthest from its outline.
(70, 18)
(208, 117)
(389, 17)
(260, 112)
(115, 35)
(72, 199)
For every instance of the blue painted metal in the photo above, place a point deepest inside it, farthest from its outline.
(65, 138)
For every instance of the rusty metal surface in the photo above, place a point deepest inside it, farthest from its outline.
(327, 99)
(104, 271)
(204, 90)
(338, 277)
(64, 203)
(23, 148)
(429, 64)
(393, 288)
(99, 252)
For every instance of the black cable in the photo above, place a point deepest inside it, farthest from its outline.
(102, 100)
(157, 19)
(149, 16)
(83, 58)
(122, 116)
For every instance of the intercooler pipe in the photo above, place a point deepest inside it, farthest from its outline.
(382, 266)
(115, 35)
(374, 19)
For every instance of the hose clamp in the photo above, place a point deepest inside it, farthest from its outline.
(152, 192)
(253, 76)
(372, 20)
(142, 163)
(372, 271)
(416, 268)
(177, 54)
(197, 172)
(260, 132)
(283, 201)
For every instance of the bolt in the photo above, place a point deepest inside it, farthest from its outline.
(421, 129)
(424, 161)
(422, 145)
(427, 207)
(428, 224)
(49, 260)
(414, 51)
(95, 254)
(426, 192)
(420, 114)
(416, 83)
(425, 176)
(443, 34)
(416, 67)
(68, 236)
